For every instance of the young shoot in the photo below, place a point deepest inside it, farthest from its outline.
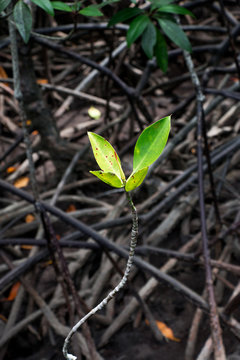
(148, 148)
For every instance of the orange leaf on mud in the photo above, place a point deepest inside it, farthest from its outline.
(29, 218)
(21, 182)
(3, 74)
(26, 247)
(3, 318)
(13, 291)
(42, 81)
(165, 330)
(11, 169)
(71, 208)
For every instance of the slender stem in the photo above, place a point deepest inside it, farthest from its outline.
(103, 303)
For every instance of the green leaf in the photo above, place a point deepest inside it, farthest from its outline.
(175, 33)
(91, 10)
(23, 20)
(106, 156)
(107, 2)
(175, 9)
(45, 5)
(124, 15)
(161, 52)
(149, 39)
(136, 28)
(4, 4)
(135, 179)
(157, 3)
(108, 178)
(59, 5)
(151, 143)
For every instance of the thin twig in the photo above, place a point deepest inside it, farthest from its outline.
(219, 350)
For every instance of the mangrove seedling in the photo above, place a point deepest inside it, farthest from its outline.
(148, 148)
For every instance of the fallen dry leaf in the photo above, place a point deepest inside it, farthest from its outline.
(21, 182)
(11, 169)
(27, 247)
(71, 208)
(3, 318)
(165, 330)
(13, 292)
(3, 74)
(29, 218)
(42, 81)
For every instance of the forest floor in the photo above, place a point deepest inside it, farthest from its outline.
(163, 313)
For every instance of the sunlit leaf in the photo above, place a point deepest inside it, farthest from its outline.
(109, 178)
(23, 19)
(105, 155)
(124, 15)
(21, 182)
(151, 143)
(136, 28)
(45, 5)
(94, 113)
(135, 179)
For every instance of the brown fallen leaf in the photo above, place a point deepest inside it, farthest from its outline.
(21, 182)
(165, 330)
(11, 169)
(13, 292)
(3, 74)
(27, 247)
(71, 208)
(3, 318)
(42, 81)
(29, 218)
